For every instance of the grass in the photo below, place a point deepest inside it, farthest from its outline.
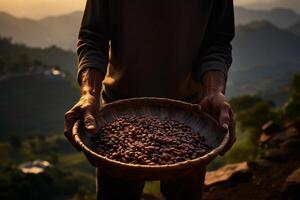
(152, 187)
(243, 150)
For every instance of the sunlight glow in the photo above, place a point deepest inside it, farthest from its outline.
(41, 8)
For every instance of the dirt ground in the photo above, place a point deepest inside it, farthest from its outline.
(264, 183)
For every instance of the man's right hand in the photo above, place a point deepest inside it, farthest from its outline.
(84, 109)
(89, 103)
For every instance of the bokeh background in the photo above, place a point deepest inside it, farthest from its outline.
(38, 84)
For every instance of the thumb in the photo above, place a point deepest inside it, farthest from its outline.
(224, 118)
(90, 123)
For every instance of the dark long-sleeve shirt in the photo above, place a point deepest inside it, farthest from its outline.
(157, 48)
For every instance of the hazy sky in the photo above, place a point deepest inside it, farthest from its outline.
(42, 8)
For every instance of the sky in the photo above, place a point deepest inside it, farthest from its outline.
(41, 8)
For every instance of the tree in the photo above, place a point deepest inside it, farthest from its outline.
(256, 115)
(21, 63)
(292, 107)
(2, 65)
(243, 102)
(15, 142)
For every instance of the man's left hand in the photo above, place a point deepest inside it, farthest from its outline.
(217, 106)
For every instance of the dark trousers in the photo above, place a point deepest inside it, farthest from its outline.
(189, 187)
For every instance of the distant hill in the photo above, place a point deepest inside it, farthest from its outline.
(52, 55)
(58, 30)
(265, 58)
(295, 28)
(34, 104)
(261, 43)
(34, 101)
(291, 4)
(62, 30)
(281, 17)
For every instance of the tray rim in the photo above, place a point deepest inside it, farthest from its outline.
(197, 161)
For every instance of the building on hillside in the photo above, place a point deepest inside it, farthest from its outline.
(34, 167)
(54, 72)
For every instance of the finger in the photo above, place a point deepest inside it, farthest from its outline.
(232, 127)
(70, 118)
(90, 123)
(231, 142)
(224, 117)
(232, 137)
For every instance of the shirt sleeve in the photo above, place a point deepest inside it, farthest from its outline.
(93, 39)
(217, 51)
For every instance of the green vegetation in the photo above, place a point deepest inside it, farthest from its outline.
(18, 58)
(71, 176)
(292, 107)
(33, 101)
(251, 112)
(34, 104)
(53, 184)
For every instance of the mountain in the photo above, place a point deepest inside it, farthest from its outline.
(261, 43)
(265, 58)
(295, 28)
(291, 4)
(62, 30)
(57, 30)
(281, 17)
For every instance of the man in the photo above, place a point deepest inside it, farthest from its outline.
(172, 48)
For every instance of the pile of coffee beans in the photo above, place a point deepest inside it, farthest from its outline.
(149, 140)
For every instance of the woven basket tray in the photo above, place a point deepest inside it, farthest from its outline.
(186, 113)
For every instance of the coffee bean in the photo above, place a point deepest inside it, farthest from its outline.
(149, 141)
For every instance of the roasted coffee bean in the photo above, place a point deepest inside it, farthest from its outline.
(149, 141)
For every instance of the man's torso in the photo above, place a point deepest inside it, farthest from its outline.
(155, 47)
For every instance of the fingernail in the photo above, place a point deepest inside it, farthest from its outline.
(226, 126)
(90, 126)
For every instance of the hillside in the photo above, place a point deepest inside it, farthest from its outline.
(34, 104)
(275, 175)
(280, 17)
(59, 30)
(34, 99)
(265, 57)
(52, 55)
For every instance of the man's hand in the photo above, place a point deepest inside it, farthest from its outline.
(89, 103)
(215, 103)
(217, 106)
(85, 109)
